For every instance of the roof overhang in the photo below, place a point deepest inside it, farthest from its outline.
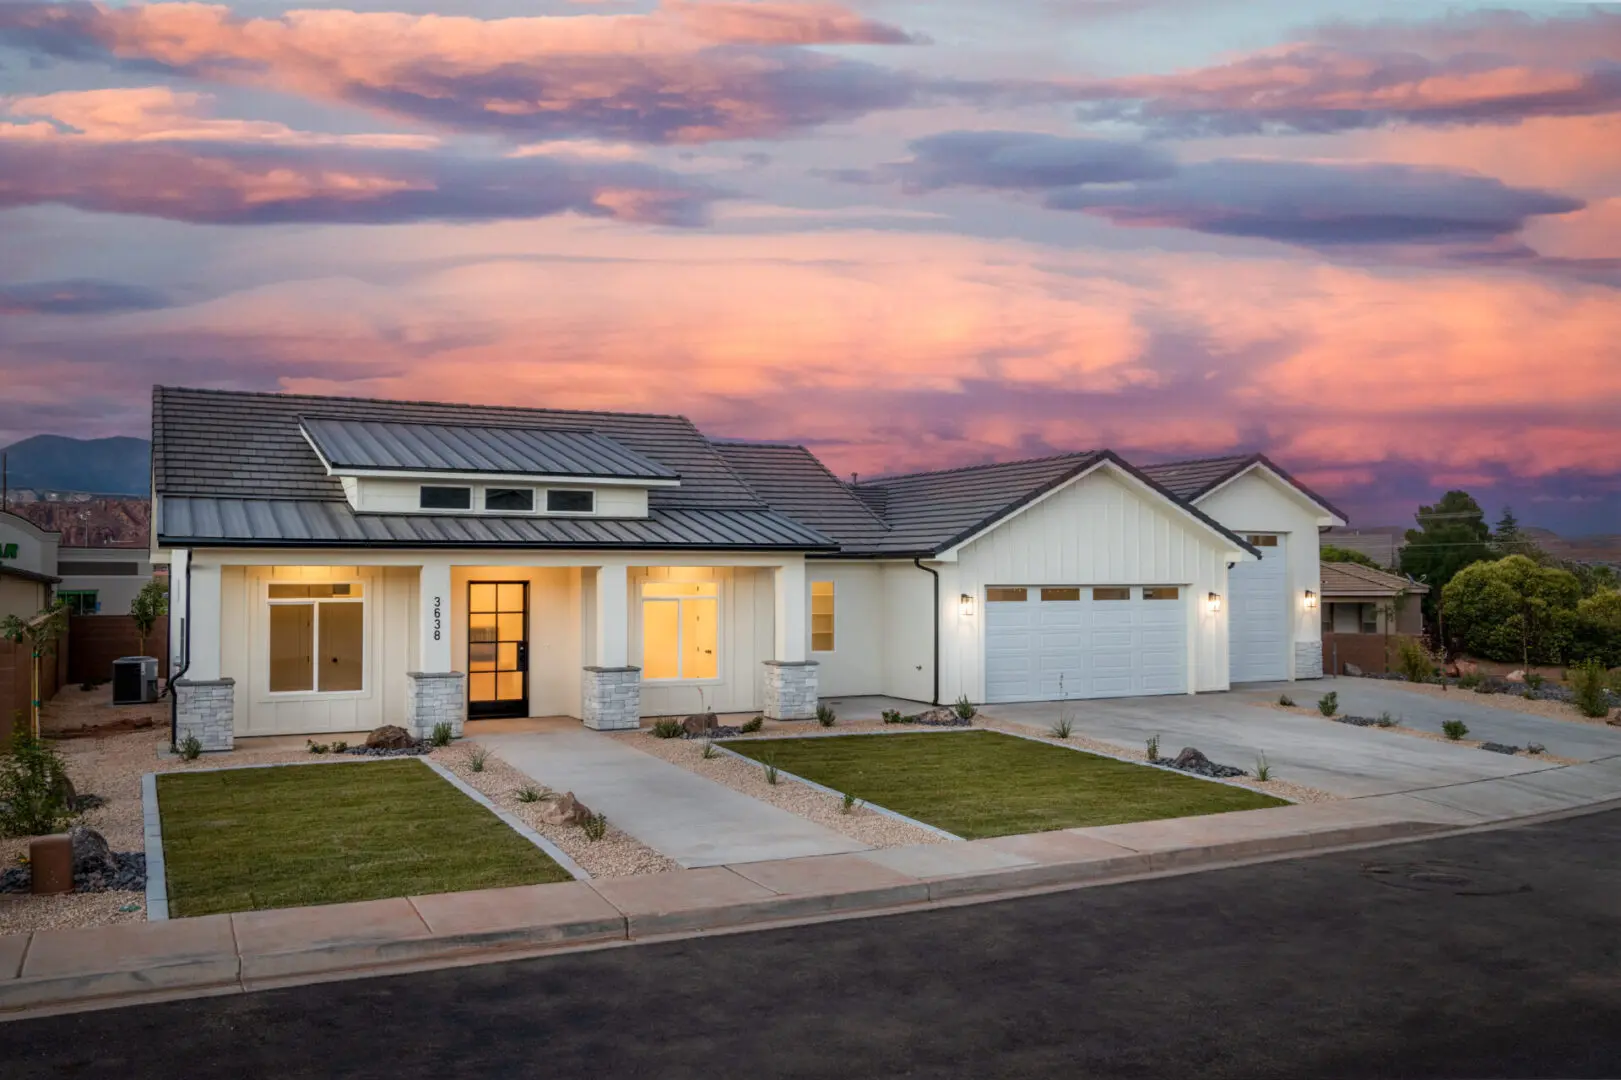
(28, 575)
(1327, 514)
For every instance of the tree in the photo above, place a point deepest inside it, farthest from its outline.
(39, 633)
(1331, 553)
(149, 605)
(1451, 535)
(1513, 610)
(1597, 634)
(1509, 539)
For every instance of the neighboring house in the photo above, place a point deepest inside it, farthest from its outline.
(27, 562)
(341, 563)
(103, 580)
(1358, 599)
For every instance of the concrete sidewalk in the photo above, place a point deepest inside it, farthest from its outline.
(71, 969)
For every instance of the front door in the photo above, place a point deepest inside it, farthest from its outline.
(497, 649)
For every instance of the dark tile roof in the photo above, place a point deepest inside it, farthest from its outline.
(371, 444)
(185, 520)
(794, 481)
(1188, 480)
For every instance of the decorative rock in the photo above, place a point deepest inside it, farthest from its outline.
(1517, 675)
(1535, 748)
(91, 855)
(1189, 758)
(64, 791)
(699, 724)
(564, 809)
(389, 737)
(1500, 748)
(718, 732)
(1467, 667)
(1352, 669)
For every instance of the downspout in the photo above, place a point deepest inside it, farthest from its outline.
(934, 698)
(185, 664)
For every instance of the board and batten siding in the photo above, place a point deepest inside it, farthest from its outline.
(390, 633)
(856, 664)
(386, 495)
(1257, 503)
(1096, 531)
(747, 639)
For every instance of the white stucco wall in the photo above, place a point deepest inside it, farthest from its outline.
(1099, 530)
(1257, 502)
(856, 664)
(908, 627)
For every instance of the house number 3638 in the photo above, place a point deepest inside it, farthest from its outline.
(438, 617)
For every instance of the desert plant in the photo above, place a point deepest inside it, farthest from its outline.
(709, 751)
(477, 758)
(1263, 768)
(149, 605)
(964, 708)
(893, 716)
(1153, 748)
(850, 803)
(754, 725)
(36, 796)
(440, 736)
(1062, 728)
(1587, 683)
(1329, 703)
(529, 793)
(1533, 681)
(668, 729)
(1454, 729)
(1413, 661)
(190, 748)
(316, 747)
(595, 827)
(771, 772)
(1386, 720)
(340, 747)
(1286, 701)
(826, 716)
(1470, 680)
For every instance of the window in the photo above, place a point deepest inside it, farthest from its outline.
(71, 568)
(1111, 594)
(1162, 592)
(509, 500)
(1257, 540)
(571, 502)
(317, 638)
(821, 616)
(1050, 596)
(78, 601)
(447, 498)
(680, 630)
(1370, 618)
(1006, 596)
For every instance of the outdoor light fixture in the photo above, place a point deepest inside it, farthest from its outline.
(1311, 600)
(965, 605)
(1213, 602)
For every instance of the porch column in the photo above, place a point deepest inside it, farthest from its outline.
(205, 703)
(611, 689)
(437, 693)
(790, 678)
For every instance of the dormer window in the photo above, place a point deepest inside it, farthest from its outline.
(571, 502)
(498, 500)
(446, 498)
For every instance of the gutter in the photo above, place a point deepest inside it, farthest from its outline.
(185, 666)
(934, 698)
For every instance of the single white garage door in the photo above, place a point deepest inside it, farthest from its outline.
(1258, 623)
(1084, 642)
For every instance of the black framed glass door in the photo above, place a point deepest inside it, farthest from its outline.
(497, 649)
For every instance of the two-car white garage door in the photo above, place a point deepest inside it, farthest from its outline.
(1043, 643)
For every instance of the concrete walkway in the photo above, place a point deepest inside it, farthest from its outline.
(679, 814)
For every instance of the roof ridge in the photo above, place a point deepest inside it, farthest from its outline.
(286, 396)
(880, 480)
(1203, 460)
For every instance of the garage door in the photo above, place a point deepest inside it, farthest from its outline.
(1258, 626)
(1075, 641)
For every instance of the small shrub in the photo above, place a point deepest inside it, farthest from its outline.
(1153, 748)
(1484, 686)
(668, 729)
(529, 793)
(893, 716)
(850, 804)
(1533, 681)
(1415, 664)
(826, 716)
(1454, 729)
(964, 708)
(1386, 720)
(1263, 768)
(340, 747)
(1062, 728)
(1535, 748)
(477, 757)
(771, 773)
(1286, 701)
(1470, 680)
(1329, 703)
(754, 725)
(595, 827)
(316, 747)
(1587, 682)
(190, 748)
(35, 794)
(710, 753)
(440, 735)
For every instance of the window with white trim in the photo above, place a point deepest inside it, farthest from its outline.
(317, 637)
(680, 630)
(821, 616)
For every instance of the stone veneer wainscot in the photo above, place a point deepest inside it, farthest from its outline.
(1308, 659)
(611, 698)
(791, 689)
(206, 709)
(436, 698)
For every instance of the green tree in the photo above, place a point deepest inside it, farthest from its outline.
(149, 605)
(1331, 553)
(1513, 610)
(1509, 539)
(39, 633)
(1451, 535)
(1597, 634)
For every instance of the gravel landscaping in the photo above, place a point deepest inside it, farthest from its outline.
(1549, 706)
(1399, 728)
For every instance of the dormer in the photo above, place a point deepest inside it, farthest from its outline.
(402, 468)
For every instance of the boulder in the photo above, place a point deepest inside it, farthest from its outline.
(91, 855)
(939, 716)
(1467, 667)
(389, 737)
(698, 725)
(64, 791)
(1190, 759)
(1352, 669)
(1517, 676)
(564, 809)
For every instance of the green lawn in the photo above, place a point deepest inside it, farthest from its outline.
(982, 783)
(248, 839)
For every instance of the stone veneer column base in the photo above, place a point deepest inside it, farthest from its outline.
(791, 689)
(206, 710)
(434, 698)
(1308, 659)
(611, 698)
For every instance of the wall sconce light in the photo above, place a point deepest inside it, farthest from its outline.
(1311, 600)
(965, 606)
(1213, 602)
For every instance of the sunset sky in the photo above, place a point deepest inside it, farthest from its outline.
(1379, 241)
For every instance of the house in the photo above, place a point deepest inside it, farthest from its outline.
(103, 579)
(27, 578)
(1358, 599)
(341, 563)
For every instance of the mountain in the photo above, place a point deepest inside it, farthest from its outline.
(116, 466)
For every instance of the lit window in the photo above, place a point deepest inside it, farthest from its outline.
(1006, 596)
(509, 500)
(680, 630)
(1162, 592)
(317, 638)
(821, 616)
(1262, 541)
(571, 502)
(446, 498)
(1051, 596)
(1111, 593)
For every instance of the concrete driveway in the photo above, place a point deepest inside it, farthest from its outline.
(1370, 697)
(1346, 761)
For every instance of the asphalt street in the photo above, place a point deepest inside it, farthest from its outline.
(1491, 955)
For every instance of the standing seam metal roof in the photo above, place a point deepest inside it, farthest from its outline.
(363, 444)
